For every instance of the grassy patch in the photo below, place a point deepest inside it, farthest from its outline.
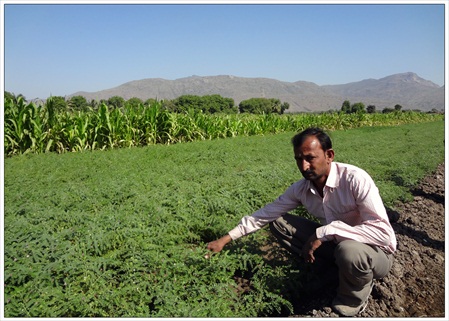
(396, 157)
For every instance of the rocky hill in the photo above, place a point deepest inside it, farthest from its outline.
(407, 89)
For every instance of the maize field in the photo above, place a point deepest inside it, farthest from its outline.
(29, 128)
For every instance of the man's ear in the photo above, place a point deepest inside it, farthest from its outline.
(330, 155)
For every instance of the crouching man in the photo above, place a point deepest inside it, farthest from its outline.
(354, 232)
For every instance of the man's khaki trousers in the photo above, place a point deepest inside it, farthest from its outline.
(358, 263)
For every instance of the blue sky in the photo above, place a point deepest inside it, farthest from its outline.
(61, 49)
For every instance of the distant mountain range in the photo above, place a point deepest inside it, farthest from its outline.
(406, 89)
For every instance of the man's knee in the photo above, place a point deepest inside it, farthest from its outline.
(279, 226)
(352, 257)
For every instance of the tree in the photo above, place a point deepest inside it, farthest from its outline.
(59, 103)
(207, 104)
(346, 107)
(187, 102)
(150, 101)
(255, 106)
(134, 102)
(397, 107)
(371, 109)
(358, 108)
(284, 107)
(216, 104)
(278, 107)
(116, 102)
(78, 103)
(262, 106)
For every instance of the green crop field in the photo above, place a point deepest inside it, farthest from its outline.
(29, 128)
(123, 232)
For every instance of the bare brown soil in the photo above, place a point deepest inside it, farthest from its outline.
(415, 287)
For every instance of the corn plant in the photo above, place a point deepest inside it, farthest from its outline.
(25, 127)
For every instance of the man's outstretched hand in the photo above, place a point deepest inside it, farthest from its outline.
(217, 245)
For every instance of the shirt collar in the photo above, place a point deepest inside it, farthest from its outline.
(331, 182)
(332, 179)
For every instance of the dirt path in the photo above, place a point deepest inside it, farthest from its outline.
(416, 285)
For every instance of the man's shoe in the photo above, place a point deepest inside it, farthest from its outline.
(348, 310)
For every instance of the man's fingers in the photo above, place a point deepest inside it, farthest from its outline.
(214, 247)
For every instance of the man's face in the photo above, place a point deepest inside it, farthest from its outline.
(312, 161)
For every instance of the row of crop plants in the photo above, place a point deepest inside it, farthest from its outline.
(29, 128)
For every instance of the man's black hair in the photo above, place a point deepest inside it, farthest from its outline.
(322, 137)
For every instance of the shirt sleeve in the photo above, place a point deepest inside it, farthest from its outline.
(270, 212)
(374, 227)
